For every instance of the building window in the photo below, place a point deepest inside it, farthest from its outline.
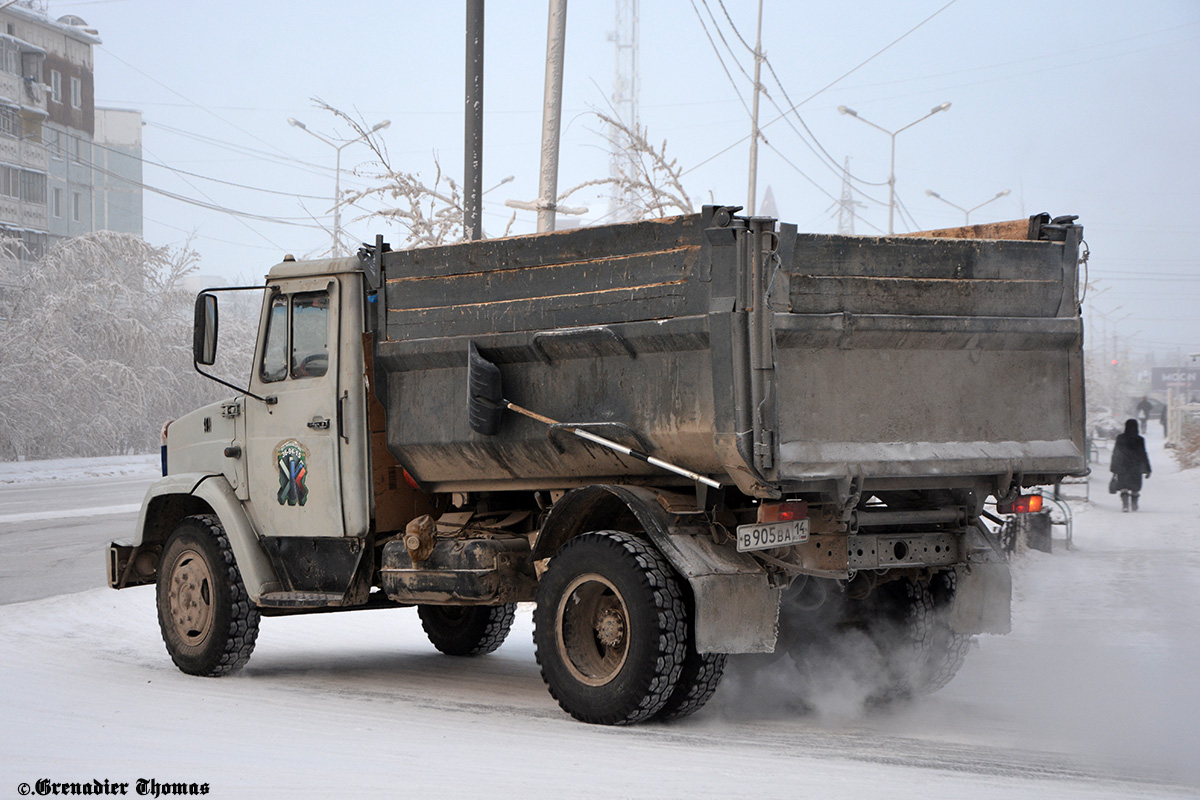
(10, 124)
(76, 206)
(57, 205)
(76, 93)
(10, 56)
(56, 86)
(33, 187)
(10, 181)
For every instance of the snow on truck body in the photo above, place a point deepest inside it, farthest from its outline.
(465, 427)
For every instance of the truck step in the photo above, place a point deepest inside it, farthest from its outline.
(300, 599)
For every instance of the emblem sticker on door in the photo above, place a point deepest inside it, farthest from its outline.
(292, 459)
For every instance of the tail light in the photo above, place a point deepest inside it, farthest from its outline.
(787, 511)
(1021, 504)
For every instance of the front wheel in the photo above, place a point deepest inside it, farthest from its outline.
(207, 620)
(467, 630)
(610, 628)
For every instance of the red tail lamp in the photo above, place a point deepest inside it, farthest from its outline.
(787, 511)
(1021, 504)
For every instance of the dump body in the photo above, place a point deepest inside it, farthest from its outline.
(738, 348)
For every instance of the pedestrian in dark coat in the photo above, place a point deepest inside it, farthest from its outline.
(1143, 411)
(1129, 464)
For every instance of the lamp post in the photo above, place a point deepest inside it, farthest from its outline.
(892, 134)
(967, 211)
(337, 180)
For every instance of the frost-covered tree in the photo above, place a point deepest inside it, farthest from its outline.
(95, 350)
(428, 214)
(650, 181)
(432, 214)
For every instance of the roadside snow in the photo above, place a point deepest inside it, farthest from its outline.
(72, 469)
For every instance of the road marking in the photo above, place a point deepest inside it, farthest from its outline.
(67, 513)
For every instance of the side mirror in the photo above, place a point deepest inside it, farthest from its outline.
(204, 335)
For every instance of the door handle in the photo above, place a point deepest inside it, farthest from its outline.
(319, 424)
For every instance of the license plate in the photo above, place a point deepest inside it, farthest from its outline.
(765, 535)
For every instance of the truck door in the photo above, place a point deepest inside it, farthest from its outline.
(293, 454)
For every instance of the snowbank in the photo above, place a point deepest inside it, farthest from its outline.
(71, 469)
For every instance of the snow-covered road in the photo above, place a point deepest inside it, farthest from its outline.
(1094, 693)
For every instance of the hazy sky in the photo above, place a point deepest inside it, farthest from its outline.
(1081, 107)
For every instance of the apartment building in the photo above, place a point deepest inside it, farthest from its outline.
(66, 167)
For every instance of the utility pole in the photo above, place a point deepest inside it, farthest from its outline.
(754, 132)
(546, 203)
(625, 105)
(473, 127)
(556, 36)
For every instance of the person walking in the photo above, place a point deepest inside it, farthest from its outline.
(1129, 464)
(1143, 411)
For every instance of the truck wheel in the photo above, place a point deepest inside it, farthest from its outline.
(947, 649)
(467, 630)
(698, 681)
(207, 620)
(922, 651)
(610, 629)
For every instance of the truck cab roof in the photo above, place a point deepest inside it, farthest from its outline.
(292, 268)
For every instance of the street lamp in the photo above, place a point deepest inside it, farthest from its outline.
(337, 181)
(892, 134)
(967, 211)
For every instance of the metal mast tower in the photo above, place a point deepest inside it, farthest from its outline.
(623, 161)
(846, 203)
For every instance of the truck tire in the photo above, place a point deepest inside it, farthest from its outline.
(610, 628)
(698, 679)
(467, 630)
(947, 648)
(922, 651)
(207, 620)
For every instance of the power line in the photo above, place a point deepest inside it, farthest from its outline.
(178, 171)
(829, 161)
(824, 89)
(721, 59)
(210, 204)
(190, 100)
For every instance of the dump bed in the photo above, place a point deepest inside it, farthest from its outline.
(741, 349)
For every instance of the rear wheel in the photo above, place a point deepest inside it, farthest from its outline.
(698, 680)
(947, 649)
(610, 629)
(467, 630)
(207, 620)
(923, 652)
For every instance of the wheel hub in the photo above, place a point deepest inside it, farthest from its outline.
(610, 627)
(592, 629)
(190, 597)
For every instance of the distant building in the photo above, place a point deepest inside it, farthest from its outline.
(117, 171)
(66, 167)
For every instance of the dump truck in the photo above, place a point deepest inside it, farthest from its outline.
(681, 439)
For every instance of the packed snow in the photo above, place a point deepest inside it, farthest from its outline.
(1092, 695)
